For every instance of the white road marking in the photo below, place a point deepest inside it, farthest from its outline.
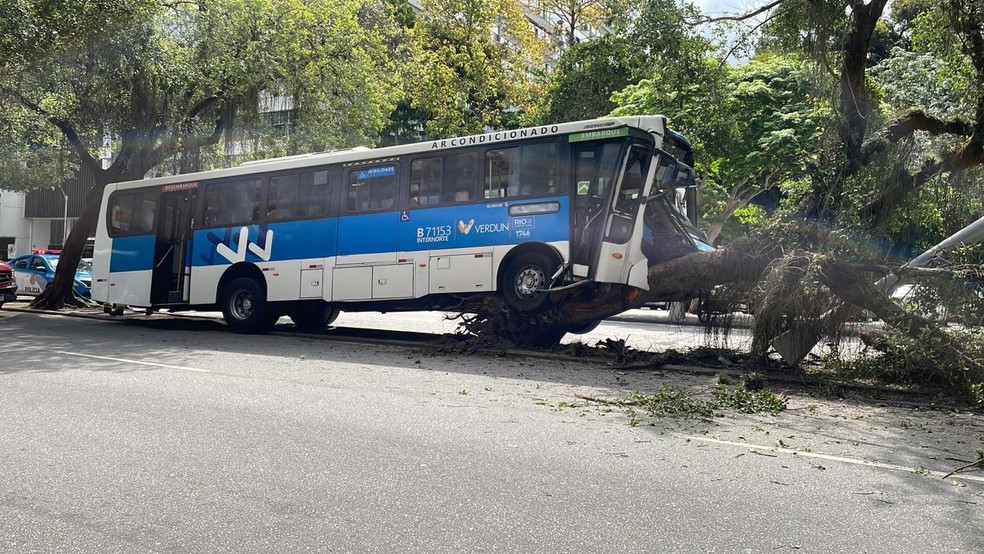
(855, 461)
(134, 362)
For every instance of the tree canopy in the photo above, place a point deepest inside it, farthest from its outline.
(152, 81)
(474, 63)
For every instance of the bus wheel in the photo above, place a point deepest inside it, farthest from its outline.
(313, 315)
(244, 306)
(525, 282)
(542, 338)
(335, 312)
(585, 328)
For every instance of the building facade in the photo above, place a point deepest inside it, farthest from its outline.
(39, 219)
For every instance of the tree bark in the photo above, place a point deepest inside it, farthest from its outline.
(853, 110)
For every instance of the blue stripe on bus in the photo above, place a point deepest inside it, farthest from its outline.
(439, 228)
(292, 240)
(367, 233)
(480, 225)
(132, 253)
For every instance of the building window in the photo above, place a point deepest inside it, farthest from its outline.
(281, 120)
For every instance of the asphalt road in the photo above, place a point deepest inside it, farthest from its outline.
(182, 437)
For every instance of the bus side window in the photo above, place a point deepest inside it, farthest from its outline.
(298, 196)
(498, 172)
(425, 182)
(538, 173)
(459, 177)
(232, 203)
(529, 170)
(282, 198)
(132, 213)
(313, 195)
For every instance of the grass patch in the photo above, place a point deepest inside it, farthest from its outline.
(676, 402)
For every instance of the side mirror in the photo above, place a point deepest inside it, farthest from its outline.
(670, 176)
(686, 177)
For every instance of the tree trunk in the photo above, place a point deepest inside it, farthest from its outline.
(852, 112)
(576, 306)
(61, 291)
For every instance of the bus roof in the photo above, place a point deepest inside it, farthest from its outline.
(654, 124)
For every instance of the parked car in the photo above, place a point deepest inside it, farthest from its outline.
(8, 285)
(34, 272)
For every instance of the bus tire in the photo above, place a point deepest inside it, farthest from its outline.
(525, 281)
(245, 308)
(313, 315)
(585, 328)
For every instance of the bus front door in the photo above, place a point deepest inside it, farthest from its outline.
(620, 258)
(169, 284)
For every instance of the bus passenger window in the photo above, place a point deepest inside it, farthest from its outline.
(312, 195)
(282, 198)
(498, 172)
(425, 182)
(529, 170)
(459, 177)
(133, 213)
(383, 196)
(538, 174)
(371, 189)
(232, 203)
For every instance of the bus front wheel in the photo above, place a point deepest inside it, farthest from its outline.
(245, 308)
(525, 282)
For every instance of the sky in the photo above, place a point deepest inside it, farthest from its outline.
(712, 8)
(721, 7)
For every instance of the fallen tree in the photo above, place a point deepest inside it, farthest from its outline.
(577, 307)
(793, 287)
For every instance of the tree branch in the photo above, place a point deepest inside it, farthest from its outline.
(62, 125)
(919, 120)
(740, 17)
(855, 288)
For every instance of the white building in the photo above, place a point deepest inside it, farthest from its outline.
(19, 234)
(38, 218)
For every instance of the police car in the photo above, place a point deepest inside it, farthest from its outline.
(33, 272)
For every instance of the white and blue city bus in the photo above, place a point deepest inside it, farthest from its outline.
(419, 226)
